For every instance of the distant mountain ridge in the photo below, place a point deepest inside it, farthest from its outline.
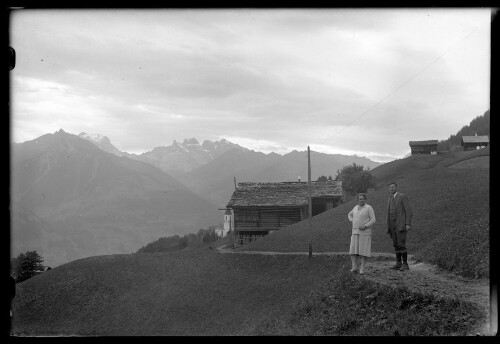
(215, 180)
(70, 199)
(209, 169)
(188, 155)
(102, 142)
(178, 157)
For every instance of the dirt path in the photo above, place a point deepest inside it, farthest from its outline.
(423, 277)
(429, 279)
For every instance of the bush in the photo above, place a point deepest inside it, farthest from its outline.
(26, 265)
(175, 243)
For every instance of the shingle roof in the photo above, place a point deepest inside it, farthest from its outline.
(284, 194)
(474, 139)
(423, 143)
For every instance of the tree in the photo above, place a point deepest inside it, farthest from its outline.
(208, 235)
(183, 242)
(26, 265)
(175, 243)
(355, 179)
(164, 244)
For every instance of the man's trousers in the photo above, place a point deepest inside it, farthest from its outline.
(398, 237)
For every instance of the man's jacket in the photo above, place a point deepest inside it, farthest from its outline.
(403, 212)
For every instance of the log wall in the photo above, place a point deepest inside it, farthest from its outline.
(265, 219)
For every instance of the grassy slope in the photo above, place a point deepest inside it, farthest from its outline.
(347, 305)
(206, 293)
(183, 293)
(450, 215)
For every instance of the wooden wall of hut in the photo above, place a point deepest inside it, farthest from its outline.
(474, 146)
(265, 219)
(320, 204)
(423, 149)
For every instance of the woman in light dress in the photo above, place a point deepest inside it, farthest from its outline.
(362, 218)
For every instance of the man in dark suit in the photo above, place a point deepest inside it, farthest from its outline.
(398, 224)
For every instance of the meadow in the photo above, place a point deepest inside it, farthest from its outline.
(205, 293)
(198, 292)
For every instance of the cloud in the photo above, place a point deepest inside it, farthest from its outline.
(49, 106)
(375, 156)
(276, 78)
(265, 146)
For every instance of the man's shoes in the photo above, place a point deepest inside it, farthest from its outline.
(397, 266)
(404, 267)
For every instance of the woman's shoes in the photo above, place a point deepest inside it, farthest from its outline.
(353, 270)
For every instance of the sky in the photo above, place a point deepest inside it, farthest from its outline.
(343, 81)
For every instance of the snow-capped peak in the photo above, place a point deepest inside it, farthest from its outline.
(176, 144)
(191, 141)
(93, 137)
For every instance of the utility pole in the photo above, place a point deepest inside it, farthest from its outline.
(233, 236)
(231, 231)
(310, 198)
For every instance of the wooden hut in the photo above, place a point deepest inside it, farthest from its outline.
(475, 142)
(260, 208)
(424, 147)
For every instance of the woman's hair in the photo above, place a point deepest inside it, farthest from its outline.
(362, 194)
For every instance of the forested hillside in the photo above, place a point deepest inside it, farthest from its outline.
(479, 125)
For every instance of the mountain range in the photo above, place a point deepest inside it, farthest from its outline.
(74, 196)
(176, 158)
(209, 169)
(70, 199)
